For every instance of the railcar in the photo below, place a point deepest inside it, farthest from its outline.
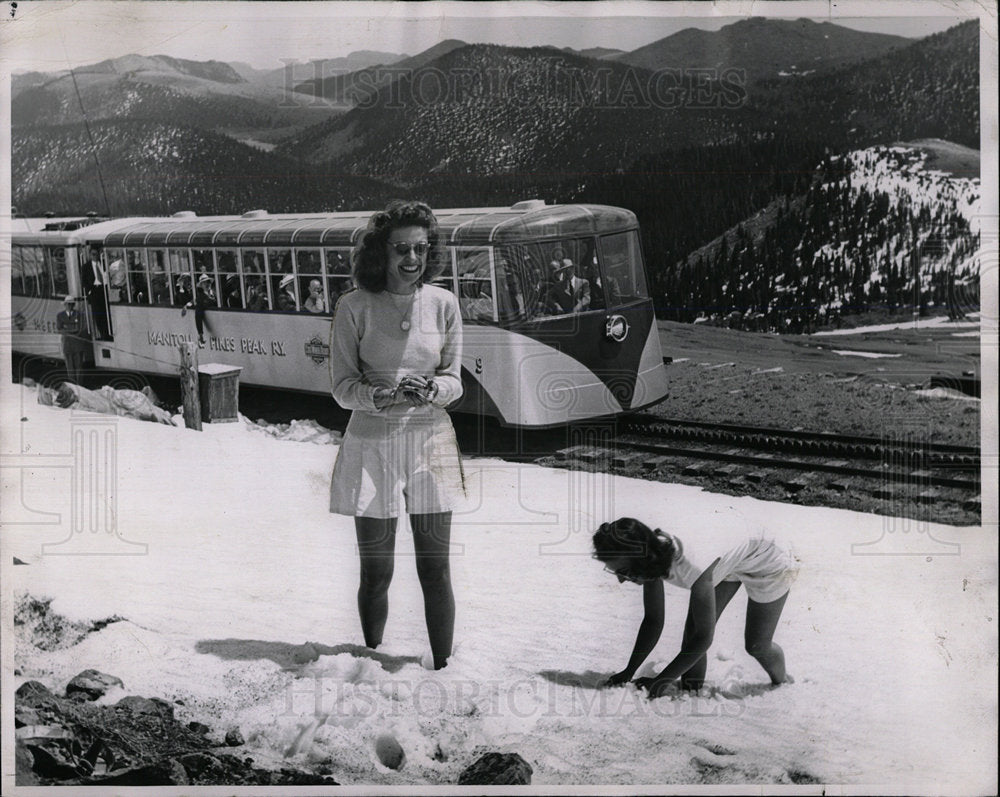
(275, 280)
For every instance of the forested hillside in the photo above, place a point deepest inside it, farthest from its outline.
(155, 168)
(875, 229)
(927, 90)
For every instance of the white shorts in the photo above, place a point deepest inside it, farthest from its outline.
(381, 459)
(766, 569)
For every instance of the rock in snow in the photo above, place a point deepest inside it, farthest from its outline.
(497, 769)
(92, 684)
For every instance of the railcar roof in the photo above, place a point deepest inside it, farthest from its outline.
(460, 226)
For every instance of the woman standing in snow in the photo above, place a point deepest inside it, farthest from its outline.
(396, 351)
(633, 552)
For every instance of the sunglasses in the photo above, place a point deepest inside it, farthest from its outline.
(419, 249)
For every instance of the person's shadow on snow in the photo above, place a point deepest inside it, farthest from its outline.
(584, 680)
(291, 657)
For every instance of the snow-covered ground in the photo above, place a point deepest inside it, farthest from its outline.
(967, 328)
(224, 563)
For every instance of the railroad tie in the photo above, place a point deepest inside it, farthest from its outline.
(622, 459)
(973, 504)
(570, 453)
(592, 454)
(795, 485)
(929, 496)
(654, 462)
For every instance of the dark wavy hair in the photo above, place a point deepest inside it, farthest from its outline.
(649, 552)
(368, 266)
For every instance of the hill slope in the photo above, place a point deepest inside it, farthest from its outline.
(765, 48)
(357, 86)
(209, 95)
(152, 168)
(545, 111)
(873, 221)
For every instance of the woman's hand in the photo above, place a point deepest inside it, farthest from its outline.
(383, 397)
(417, 391)
(618, 679)
(655, 687)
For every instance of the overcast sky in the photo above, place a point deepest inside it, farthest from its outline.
(55, 35)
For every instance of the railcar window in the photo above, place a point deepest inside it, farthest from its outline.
(309, 265)
(230, 293)
(32, 270)
(338, 274)
(204, 266)
(117, 279)
(179, 276)
(626, 280)
(17, 270)
(254, 283)
(159, 284)
(446, 279)
(510, 298)
(279, 267)
(475, 285)
(56, 259)
(536, 281)
(135, 265)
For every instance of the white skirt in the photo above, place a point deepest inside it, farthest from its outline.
(383, 459)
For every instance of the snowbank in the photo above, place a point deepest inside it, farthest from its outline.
(238, 593)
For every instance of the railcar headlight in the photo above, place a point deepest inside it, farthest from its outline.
(616, 328)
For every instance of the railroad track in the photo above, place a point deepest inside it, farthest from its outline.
(894, 469)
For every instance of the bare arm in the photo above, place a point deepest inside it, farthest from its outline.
(701, 612)
(649, 631)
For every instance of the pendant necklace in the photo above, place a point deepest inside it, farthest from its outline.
(404, 319)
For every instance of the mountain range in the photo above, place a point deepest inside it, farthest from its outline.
(732, 121)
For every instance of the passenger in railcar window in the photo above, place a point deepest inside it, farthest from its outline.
(286, 293)
(256, 294)
(158, 286)
(338, 287)
(140, 288)
(579, 286)
(232, 298)
(182, 291)
(315, 302)
(559, 298)
(116, 278)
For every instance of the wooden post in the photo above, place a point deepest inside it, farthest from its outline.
(189, 386)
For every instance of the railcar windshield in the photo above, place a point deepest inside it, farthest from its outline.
(39, 271)
(555, 278)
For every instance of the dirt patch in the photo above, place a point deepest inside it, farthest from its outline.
(856, 404)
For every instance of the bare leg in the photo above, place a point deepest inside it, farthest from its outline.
(376, 546)
(762, 620)
(431, 539)
(694, 678)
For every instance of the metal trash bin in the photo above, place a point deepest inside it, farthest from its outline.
(219, 392)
